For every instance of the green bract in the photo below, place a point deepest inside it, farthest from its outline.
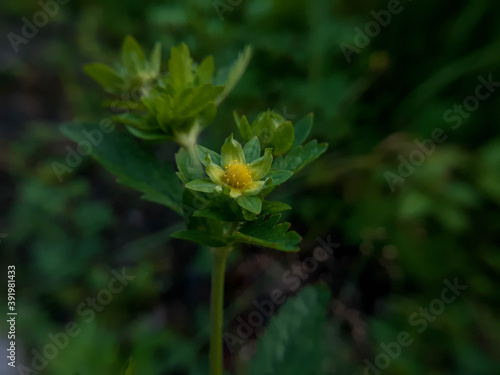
(175, 105)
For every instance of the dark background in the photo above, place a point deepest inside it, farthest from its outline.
(396, 250)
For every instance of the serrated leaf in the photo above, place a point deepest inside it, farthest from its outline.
(205, 71)
(189, 169)
(148, 135)
(133, 58)
(155, 59)
(250, 203)
(180, 67)
(214, 213)
(300, 156)
(252, 150)
(132, 164)
(202, 152)
(199, 236)
(104, 75)
(136, 120)
(269, 208)
(268, 233)
(279, 176)
(235, 73)
(294, 337)
(303, 129)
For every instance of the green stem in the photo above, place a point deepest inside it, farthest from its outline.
(217, 309)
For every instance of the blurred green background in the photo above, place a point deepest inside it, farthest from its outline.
(396, 247)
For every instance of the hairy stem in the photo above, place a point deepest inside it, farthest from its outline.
(217, 309)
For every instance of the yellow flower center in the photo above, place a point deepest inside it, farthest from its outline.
(237, 175)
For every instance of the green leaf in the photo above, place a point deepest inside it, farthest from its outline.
(202, 152)
(204, 185)
(180, 67)
(133, 58)
(300, 156)
(189, 170)
(269, 208)
(155, 59)
(250, 203)
(303, 129)
(105, 76)
(133, 165)
(294, 338)
(268, 233)
(149, 135)
(199, 236)
(205, 71)
(214, 213)
(279, 176)
(139, 121)
(235, 73)
(252, 149)
(243, 127)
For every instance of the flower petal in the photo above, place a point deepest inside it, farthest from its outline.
(231, 151)
(253, 188)
(234, 193)
(261, 166)
(215, 173)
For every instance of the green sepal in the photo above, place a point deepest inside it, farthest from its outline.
(204, 185)
(250, 203)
